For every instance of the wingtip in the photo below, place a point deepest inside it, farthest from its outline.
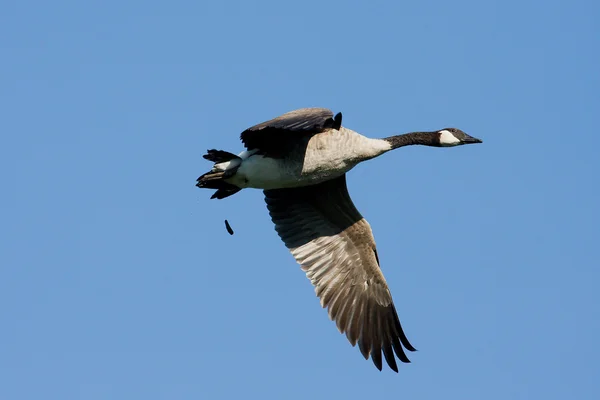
(409, 347)
(378, 366)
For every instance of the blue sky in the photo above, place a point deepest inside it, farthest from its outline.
(119, 281)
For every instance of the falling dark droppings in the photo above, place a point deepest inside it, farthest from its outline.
(228, 227)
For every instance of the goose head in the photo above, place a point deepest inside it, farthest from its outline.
(449, 137)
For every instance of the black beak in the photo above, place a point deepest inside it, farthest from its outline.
(470, 139)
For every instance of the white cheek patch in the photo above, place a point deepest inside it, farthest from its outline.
(448, 139)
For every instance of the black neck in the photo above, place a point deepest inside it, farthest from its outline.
(422, 138)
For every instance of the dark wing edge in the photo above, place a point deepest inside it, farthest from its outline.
(326, 235)
(277, 136)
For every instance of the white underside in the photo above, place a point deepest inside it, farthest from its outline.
(262, 172)
(328, 155)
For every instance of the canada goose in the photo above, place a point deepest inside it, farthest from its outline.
(300, 160)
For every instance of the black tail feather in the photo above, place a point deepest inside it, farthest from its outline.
(216, 179)
(209, 179)
(219, 156)
(222, 193)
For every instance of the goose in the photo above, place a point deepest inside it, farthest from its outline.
(300, 160)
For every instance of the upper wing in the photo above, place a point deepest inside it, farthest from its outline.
(335, 247)
(275, 138)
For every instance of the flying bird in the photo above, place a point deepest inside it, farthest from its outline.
(300, 160)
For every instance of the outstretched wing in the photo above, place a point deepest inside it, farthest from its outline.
(335, 247)
(277, 137)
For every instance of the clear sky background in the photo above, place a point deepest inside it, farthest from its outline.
(119, 281)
